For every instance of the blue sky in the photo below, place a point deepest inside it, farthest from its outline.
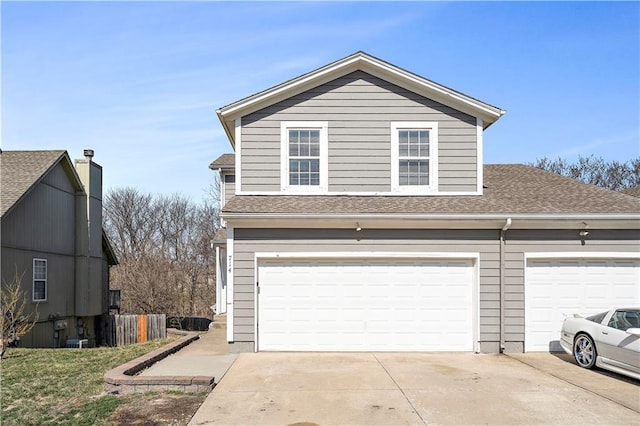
(139, 82)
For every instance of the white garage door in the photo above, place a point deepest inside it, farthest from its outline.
(365, 305)
(587, 286)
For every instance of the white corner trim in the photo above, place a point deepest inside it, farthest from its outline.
(581, 255)
(238, 171)
(432, 188)
(287, 189)
(230, 281)
(479, 154)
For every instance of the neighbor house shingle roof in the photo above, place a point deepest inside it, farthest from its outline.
(225, 161)
(634, 191)
(20, 170)
(509, 188)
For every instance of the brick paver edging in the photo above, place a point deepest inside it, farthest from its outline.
(123, 379)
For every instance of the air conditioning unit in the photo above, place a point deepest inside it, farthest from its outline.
(77, 343)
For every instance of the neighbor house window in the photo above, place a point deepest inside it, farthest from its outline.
(304, 156)
(414, 156)
(39, 280)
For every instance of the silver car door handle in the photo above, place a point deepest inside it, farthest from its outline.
(604, 332)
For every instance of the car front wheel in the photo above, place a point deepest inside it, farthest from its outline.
(584, 351)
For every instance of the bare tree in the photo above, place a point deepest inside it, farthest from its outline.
(612, 175)
(163, 242)
(16, 317)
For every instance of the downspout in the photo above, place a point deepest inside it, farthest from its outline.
(503, 232)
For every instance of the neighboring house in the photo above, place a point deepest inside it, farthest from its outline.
(634, 191)
(364, 220)
(52, 236)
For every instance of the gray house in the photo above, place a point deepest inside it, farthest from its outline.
(52, 236)
(360, 217)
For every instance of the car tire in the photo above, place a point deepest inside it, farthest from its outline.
(584, 351)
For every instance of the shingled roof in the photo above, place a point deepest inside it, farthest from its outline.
(21, 170)
(634, 191)
(225, 161)
(509, 188)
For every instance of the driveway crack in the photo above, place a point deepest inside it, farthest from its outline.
(415, 410)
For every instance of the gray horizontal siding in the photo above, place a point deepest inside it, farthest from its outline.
(359, 109)
(248, 242)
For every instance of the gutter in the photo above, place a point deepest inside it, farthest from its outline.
(437, 216)
(502, 242)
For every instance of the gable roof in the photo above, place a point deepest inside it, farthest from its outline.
(20, 171)
(371, 65)
(510, 189)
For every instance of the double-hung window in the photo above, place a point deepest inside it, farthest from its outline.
(39, 280)
(414, 156)
(304, 156)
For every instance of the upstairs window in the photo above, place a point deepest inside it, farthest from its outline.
(39, 280)
(414, 157)
(304, 158)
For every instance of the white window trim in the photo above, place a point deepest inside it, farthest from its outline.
(323, 126)
(46, 280)
(432, 126)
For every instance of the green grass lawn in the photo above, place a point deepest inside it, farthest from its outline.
(62, 386)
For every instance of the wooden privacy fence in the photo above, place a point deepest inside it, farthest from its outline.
(128, 329)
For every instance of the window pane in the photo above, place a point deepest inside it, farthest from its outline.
(304, 136)
(424, 143)
(315, 179)
(315, 136)
(293, 149)
(403, 140)
(293, 178)
(304, 179)
(304, 149)
(293, 136)
(315, 166)
(314, 150)
(304, 166)
(294, 165)
(39, 290)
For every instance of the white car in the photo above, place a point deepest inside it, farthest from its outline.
(609, 340)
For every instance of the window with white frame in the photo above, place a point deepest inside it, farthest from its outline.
(304, 156)
(39, 280)
(414, 156)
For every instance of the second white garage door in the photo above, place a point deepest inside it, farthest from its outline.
(366, 305)
(555, 287)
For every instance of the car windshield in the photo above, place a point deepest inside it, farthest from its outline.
(597, 317)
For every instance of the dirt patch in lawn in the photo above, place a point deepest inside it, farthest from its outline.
(158, 409)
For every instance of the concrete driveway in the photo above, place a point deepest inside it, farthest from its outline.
(421, 388)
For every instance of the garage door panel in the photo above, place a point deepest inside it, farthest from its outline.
(366, 304)
(584, 286)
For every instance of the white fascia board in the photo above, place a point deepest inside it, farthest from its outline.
(426, 221)
(433, 89)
